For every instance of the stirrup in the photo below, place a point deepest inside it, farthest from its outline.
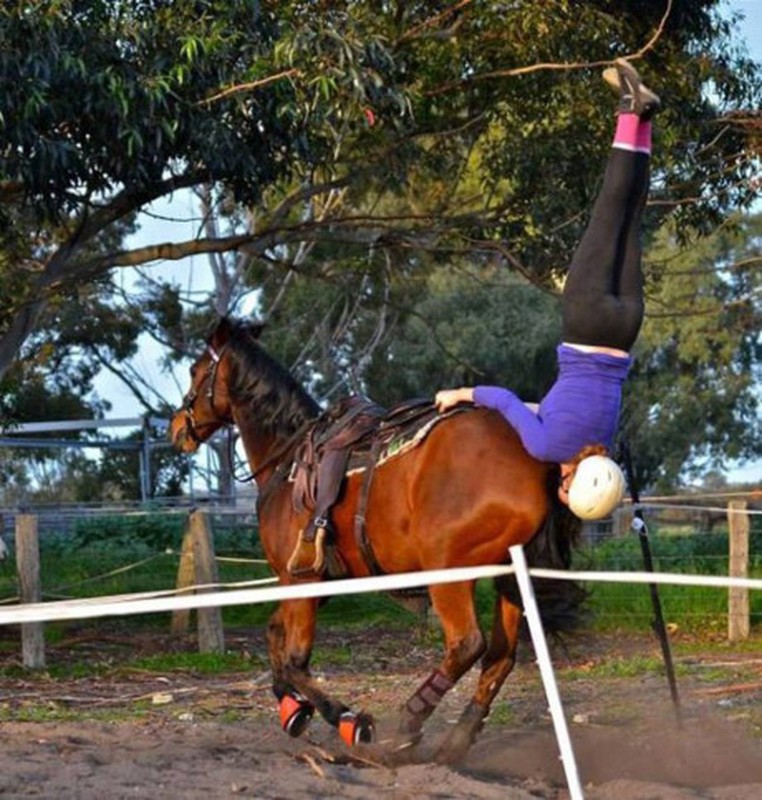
(308, 558)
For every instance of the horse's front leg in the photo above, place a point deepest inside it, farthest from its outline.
(497, 664)
(287, 654)
(464, 643)
(290, 636)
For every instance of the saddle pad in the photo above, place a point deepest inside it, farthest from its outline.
(404, 437)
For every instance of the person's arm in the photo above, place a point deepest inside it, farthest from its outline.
(520, 416)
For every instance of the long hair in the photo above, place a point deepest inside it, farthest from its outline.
(561, 603)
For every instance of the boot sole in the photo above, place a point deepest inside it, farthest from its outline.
(647, 99)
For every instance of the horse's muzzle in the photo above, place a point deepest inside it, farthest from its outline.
(180, 430)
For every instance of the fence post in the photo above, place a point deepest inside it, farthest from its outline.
(30, 589)
(186, 577)
(738, 597)
(198, 554)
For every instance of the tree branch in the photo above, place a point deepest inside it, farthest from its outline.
(551, 66)
(415, 32)
(246, 87)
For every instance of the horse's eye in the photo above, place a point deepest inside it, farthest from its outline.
(193, 370)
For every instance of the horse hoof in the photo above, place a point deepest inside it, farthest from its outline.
(357, 728)
(402, 743)
(456, 746)
(295, 713)
(403, 750)
(449, 756)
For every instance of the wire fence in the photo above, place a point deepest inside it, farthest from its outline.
(99, 549)
(685, 560)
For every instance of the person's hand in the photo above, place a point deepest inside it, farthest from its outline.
(448, 398)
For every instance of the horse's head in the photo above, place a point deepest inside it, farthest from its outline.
(206, 406)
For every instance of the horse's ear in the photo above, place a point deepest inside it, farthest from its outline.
(221, 331)
(226, 327)
(256, 328)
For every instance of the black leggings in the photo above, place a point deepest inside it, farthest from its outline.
(603, 296)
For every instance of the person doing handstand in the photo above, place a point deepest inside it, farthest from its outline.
(602, 307)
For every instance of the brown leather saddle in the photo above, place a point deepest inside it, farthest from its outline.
(355, 435)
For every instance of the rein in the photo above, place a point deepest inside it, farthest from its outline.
(209, 381)
(282, 468)
(273, 457)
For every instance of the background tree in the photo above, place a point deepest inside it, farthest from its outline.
(118, 472)
(276, 102)
(354, 143)
(471, 325)
(694, 400)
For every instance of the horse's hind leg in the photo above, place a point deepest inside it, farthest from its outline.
(497, 664)
(464, 643)
(290, 636)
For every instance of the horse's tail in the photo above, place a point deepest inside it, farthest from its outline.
(562, 603)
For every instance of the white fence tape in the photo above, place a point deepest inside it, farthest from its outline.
(678, 507)
(115, 599)
(675, 578)
(546, 673)
(57, 610)
(151, 603)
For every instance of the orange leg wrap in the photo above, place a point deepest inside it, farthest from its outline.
(295, 713)
(354, 729)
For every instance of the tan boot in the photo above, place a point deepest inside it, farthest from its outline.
(634, 96)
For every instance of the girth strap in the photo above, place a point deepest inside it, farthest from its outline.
(321, 460)
(361, 533)
(358, 435)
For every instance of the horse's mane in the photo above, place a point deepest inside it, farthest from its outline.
(277, 401)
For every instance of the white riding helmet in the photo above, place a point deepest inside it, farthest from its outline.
(597, 488)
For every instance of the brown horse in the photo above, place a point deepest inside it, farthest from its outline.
(461, 498)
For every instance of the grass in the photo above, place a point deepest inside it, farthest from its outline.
(127, 555)
(54, 713)
(630, 667)
(719, 644)
(196, 663)
(503, 713)
(182, 662)
(692, 609)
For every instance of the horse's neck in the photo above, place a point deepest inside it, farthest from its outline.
(263, 450)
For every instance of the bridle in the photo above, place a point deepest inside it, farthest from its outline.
(209, 379)
(192, 427)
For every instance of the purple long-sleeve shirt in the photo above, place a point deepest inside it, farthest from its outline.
(581, 408)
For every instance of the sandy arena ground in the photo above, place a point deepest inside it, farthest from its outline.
(139, 734)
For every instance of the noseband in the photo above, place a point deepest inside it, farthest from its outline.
(209, 379)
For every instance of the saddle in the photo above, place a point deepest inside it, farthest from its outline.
(357, 434)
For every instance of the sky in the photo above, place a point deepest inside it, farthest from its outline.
(157, 228)
(751, 30)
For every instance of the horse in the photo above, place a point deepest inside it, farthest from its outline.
(460, 497)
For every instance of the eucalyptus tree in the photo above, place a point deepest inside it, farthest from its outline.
(293, 106)
(360, 143)
(694, 401)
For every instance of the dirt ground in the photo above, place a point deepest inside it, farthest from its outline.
(134, 733)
